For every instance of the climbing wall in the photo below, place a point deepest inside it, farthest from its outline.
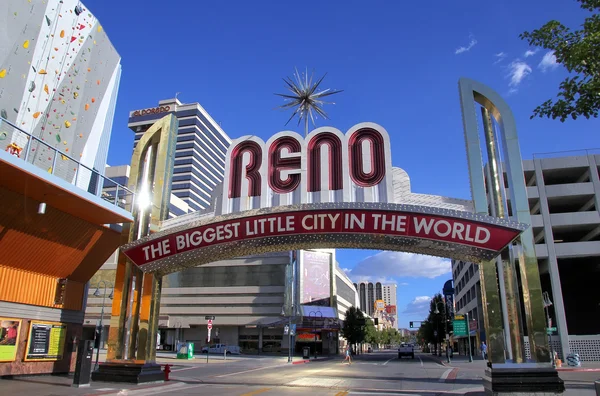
(58, 80)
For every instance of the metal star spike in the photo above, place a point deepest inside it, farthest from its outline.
(305, 99)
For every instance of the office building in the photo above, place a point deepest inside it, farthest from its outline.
(390, 293)
(200, 152)
(369, 293)
(564, 202)
(59, 76)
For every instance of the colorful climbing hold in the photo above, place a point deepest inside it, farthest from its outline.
(26, 44)
(98, 82)
(87, 106)
(81, 135)
(62, 34)
(42, 71)
(31, 86)
(73, 38)
(93, 100)
(46, 88)
(3, 114)
(99, 28)
(36, 114)
(47, 20)
(67, 124)
(58, 139)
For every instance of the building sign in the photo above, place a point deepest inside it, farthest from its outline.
(46, 341)
(152, 110)
(316, 278)
(390, 309)
(326, 166)
(379, 305)
(9, 338)
(313, 222)
(328, 190)
(459, 326)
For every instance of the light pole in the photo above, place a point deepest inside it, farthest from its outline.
(437, 312)
(310, 314)
(97, 294)
(289, 331)
(547, 304)
(469, 336)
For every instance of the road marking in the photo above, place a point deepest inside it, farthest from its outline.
(445, 375)
(248, 371)
(343, 393)
(185, 368)
(421, 360)
(388, 361)
(157, 390)
(256, 392)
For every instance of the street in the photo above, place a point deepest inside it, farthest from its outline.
(377, 373)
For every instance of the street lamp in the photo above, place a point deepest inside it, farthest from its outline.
(320, 314)
(289, 331)
(547, 304)
(437, 312)
(110, 296)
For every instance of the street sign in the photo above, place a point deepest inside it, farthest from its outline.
(286, 330)
(208, 340)
(460, 327)
(459, 317)
(209, 317)
(209, 325)
(293, 330)
(550, 330)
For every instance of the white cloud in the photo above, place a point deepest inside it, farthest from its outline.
(418, 306)
(518, 70)
(548, 61)
(500, 57)
(404, 284)
(472, 43)
(529, 53)
(386, 265)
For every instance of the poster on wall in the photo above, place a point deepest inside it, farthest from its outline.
(9, 338)
(316, 280)
(46, 341)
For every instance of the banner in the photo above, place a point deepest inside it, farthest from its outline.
(341, 221)
(46, 341)
(9, 338)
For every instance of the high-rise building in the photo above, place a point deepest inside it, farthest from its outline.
(564, 202)
(391, 301)
(369, 293)
(200, 152)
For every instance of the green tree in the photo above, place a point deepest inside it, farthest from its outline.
(371, 333)
(354, 326)
(436, 322)
(579, 52)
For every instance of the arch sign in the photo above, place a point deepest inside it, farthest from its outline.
(328, 190)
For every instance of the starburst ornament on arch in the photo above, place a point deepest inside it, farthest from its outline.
(305, 98)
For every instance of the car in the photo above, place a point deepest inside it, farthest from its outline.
(369, 350)
(406, 350)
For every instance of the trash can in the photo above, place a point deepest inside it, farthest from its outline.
(573, 360)
(306, 353)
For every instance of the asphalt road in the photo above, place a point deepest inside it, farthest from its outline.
(377, 373)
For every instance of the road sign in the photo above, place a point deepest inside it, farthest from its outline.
(209, 325)
(208, 340)
(460, 327)
(209, 317)
(293, 330)
(286, 330)
(459, 317)
(550, 330)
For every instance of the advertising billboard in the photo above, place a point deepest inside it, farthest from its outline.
(316, 278)
(390, 309)
(46, 341)
(379, 305)
(9, 338)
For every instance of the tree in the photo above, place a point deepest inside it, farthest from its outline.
(579, 52)
(372, 336)
(436, 322)
(354, 326)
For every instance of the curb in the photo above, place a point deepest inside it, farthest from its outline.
(301, 362)
(578, 369)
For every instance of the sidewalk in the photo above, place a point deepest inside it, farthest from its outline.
(461, 360)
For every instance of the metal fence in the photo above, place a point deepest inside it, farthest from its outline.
(36, 151)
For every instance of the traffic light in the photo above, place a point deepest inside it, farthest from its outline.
(411, 325)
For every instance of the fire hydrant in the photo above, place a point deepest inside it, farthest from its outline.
(167, 371)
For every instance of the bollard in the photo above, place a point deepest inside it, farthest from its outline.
(597, 385)
(167, 371)
(225, 354)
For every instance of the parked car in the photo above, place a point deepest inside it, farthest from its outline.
(221, 348)
(406, 350)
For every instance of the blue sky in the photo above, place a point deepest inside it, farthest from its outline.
(397, 62)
